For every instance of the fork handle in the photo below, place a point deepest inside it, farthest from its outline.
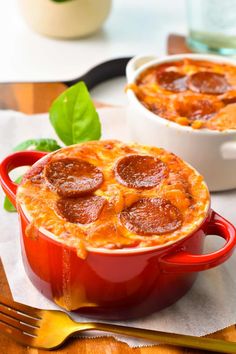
(214, 345)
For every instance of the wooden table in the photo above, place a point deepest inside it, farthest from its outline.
(27, 98)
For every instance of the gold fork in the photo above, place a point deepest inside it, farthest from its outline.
(48, 329)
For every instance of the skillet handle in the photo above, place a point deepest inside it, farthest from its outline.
(186, 262)
(18, 159)
(102, 72)
(135, 63)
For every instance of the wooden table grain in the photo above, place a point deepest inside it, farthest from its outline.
(27, 98)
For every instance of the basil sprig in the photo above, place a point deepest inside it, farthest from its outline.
(61, 0)
(48, 145)
(38, 145)
(8, 206)
(74, 119)
(74, 116)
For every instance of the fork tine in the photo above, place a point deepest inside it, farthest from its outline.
(16, 334)
(17, 324)
(28, 310)
(18, 316)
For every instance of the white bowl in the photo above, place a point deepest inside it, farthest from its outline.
(212, 153)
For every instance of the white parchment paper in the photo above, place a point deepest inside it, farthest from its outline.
(209, 306)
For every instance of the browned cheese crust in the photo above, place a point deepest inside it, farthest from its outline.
(194, 93)
(137, 196)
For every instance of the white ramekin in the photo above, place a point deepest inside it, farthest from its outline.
(212, 153)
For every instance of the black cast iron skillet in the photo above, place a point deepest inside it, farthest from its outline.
(37, 97)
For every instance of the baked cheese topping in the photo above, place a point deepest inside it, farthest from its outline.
(107, 194)
(200, 94)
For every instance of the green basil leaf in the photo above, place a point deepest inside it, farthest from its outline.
(61, 0)
(47, 145)
(38, 145)
(74, 116)
(8, 206)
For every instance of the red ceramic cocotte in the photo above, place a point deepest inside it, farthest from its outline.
(115, 284)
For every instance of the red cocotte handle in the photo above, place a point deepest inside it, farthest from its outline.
(186, 262)
(18, 159)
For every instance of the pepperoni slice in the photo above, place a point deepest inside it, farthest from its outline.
(83, 210)
(35, 173)
(139, 171)
(172, 81)
(228, 100)
(73, 177)
(208, 82)
(201, 109)
(150, 216)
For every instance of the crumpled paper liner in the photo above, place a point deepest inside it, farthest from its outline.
(209, 306)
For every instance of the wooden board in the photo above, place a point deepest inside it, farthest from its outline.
(176, 44)
(27, 99)
(37, 98)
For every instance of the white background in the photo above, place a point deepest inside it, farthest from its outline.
(133, 27)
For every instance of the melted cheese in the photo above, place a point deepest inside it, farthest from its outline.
(174, 106)
(182, 186)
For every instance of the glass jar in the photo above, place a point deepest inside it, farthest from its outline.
(212, 26)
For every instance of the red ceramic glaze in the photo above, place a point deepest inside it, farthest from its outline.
(115, 285)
